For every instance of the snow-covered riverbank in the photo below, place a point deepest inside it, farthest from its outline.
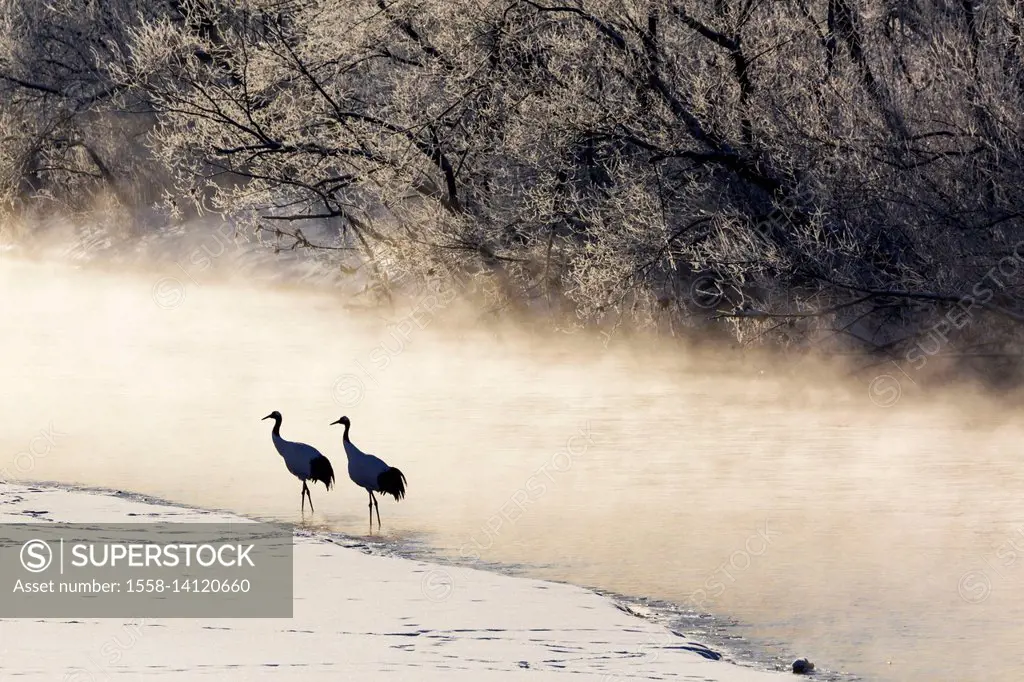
(357, 615)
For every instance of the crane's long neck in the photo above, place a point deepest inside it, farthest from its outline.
(276, 433)
(350, 449)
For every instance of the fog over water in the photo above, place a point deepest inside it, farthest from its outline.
(885, 541)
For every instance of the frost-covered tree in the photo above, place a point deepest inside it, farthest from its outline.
(832, 170)
(69, 137)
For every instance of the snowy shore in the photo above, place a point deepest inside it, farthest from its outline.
(357, 616)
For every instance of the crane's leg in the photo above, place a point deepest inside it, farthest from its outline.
(375, 506)
(371, 510)
(305, 494)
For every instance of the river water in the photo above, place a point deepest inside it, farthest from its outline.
(883, 541)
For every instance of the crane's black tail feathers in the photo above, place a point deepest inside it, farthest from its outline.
(320, 469)
(392, 482)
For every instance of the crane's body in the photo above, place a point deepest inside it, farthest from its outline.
(305, 462)
(371, 473)
(364, 469)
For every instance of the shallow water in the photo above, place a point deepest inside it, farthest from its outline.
(888, 542)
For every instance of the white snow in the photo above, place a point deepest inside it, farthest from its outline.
(357, 616)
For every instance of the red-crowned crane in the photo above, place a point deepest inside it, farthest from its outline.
(304, 461)
(371, 473)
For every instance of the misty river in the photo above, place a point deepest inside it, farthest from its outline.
(882, 541)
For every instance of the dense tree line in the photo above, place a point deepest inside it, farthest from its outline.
(828, 171)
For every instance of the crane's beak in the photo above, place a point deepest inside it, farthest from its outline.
(333, 423)
(267, 417)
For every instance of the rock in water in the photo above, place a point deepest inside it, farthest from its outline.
(802, 666)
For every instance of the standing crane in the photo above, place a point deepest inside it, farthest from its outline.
(371, 473)
(304, 461)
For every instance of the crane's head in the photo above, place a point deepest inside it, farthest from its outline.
(344, 421)
(275, 415)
